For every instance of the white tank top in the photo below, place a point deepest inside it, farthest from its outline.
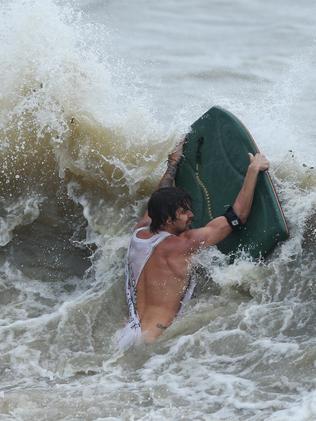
(139, 251)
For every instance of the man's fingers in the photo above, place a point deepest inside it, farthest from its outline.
(177, 153)
(259, 160)
(251, 157)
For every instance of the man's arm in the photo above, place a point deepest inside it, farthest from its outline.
(167, 180)
(243, 202)
(219, 228)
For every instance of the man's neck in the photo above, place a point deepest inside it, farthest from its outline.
(169, 228)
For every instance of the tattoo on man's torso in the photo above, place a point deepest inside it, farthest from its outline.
(160, 326)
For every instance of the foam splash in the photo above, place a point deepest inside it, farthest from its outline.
(21, 212)
(67, 104)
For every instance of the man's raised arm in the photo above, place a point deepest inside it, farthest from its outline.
(167, 180)
(219, 228)
(243, 202)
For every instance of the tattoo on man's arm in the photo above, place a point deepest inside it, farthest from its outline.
(169, 176)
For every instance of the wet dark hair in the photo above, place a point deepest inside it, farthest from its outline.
(164, 203)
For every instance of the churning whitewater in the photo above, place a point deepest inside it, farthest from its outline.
(93, 97)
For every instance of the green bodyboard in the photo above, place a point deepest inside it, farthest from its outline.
(213, 167)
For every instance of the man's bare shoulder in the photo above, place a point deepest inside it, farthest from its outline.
(178, 244)
(192, 240)
(173, 244)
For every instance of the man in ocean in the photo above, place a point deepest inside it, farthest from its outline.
(161, 247)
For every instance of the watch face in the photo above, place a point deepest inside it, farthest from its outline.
(235, 222)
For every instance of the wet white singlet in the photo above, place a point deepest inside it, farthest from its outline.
(139, 252)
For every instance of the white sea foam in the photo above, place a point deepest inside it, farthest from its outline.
(22, 211)
(303, 411)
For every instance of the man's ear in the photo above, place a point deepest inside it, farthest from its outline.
(178, 213)
(168, 221)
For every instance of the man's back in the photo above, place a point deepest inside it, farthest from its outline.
(162, 285)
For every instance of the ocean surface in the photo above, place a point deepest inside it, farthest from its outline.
(93, 95)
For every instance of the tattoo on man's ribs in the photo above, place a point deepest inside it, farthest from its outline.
(160, 326)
